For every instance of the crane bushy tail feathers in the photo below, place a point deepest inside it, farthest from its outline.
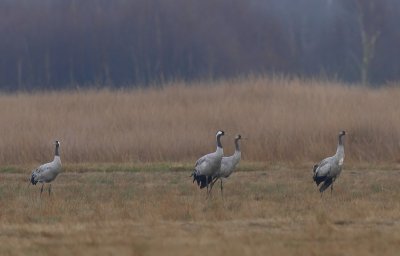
(318, 180)
(326, 184)
(327, 181)
(33, 178)
(202, 180)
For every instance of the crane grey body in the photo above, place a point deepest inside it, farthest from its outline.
(46, 173)
(208, 165)
(329, 169)
(228, 164)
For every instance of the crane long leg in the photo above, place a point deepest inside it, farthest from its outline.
(212, 184)
(331, 188)
(49, 189)
(222, 188)
(208, 191)
(41, 189)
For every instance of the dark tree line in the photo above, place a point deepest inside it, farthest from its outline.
(65, 43)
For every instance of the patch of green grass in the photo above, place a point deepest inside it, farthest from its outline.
(244, 166)
(128, 193)
(127, 167)
(12, 169)
(46, 219)
(139, 167)
(376, 188)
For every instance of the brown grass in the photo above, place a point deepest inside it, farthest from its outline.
(269, 212)
(286, 120)
(127, 157)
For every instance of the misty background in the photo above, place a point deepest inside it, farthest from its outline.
(51, 44)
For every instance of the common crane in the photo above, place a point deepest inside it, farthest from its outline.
(329, 169)
(46, 173)
(208, 165)
(228, 164)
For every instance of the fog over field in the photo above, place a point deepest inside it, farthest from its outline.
(65, 44)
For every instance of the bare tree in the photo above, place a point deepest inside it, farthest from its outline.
(369, 24)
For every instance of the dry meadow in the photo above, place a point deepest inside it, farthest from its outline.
(285, 120)
(128, 154)
(267, 212)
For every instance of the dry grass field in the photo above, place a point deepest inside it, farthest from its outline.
(128, 154)
(266, 212)
(286, 121)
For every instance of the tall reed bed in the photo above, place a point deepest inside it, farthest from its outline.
(286, 120)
